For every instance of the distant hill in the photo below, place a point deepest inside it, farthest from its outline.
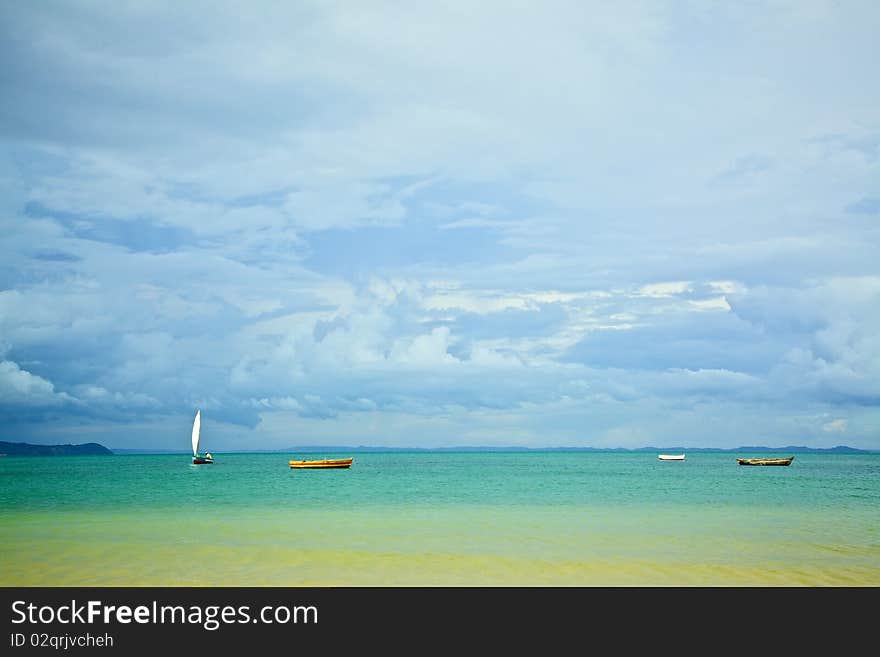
(26, 449)
(326, 449)
(122, 451)
(840, 449)
(793, 449)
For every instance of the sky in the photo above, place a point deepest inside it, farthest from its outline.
(440, 224)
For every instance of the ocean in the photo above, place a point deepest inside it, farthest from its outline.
(534, 518)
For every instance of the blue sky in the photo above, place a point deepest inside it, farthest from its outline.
(440, 224)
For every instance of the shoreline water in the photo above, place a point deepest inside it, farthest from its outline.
(415, 519)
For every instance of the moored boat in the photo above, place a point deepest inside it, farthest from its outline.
(765, 461)
(321, 463)
(671, 457)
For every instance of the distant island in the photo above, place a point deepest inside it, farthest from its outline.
(796, 449)
(93, 449)
(316, 449)
(26, 449)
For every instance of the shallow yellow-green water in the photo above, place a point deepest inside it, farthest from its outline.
(413, 519)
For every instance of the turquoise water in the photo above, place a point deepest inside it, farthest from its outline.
(441, 518)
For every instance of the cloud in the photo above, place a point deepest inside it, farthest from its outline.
(835, 426)
(397, 220)
(745, 167)
(864, 206)
(20, 387)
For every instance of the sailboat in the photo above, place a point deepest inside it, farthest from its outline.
(197, 426)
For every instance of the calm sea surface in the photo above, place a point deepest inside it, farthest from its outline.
(441, 518)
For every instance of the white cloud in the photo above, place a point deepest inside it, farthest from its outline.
(664, 289)
(329, 213)
(482, 304)
(424, 350)
(837, 426)
(20, 387)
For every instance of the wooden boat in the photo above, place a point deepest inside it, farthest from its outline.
(766, 461)
(321, 463)
(671, 457)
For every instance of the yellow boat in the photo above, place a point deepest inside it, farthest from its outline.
(322, 463)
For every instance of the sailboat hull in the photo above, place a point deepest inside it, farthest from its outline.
(202, 461)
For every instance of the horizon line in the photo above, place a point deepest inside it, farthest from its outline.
(452, 448)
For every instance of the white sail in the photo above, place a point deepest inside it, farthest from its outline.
(197, 423)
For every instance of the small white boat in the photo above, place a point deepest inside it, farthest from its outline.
(198, 459)
(671, 457)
